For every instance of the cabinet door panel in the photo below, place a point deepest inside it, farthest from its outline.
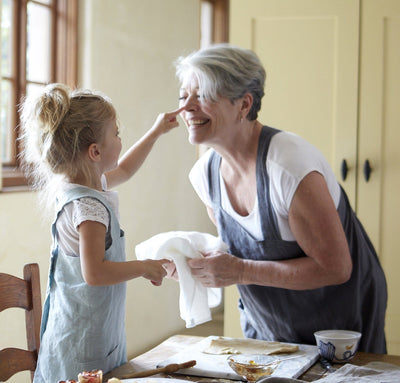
(378, 199)
(310, 51)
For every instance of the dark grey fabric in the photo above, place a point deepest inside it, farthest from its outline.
(293, 316)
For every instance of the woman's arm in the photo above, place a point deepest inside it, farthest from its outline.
(317, 228)
(133, 159)
(100, 272)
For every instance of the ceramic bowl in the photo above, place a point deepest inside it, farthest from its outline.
(337, 346)
(252, 367)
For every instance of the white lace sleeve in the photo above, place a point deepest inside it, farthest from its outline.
(89, 209)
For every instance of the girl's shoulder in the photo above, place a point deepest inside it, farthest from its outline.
(87, 202)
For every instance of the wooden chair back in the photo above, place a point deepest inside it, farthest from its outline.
(25, 294)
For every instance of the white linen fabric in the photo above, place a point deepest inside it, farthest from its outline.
(195, 300)
(290, 158)
(372, 372)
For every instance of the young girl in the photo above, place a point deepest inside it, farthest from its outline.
(74, 135)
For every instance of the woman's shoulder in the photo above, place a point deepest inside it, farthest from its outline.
(291, 151)
(198, 177)
(290, 141)
(200, 166)
(290, 158)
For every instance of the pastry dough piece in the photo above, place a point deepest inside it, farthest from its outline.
(223, 345)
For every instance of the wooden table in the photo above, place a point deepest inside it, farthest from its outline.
(177, 343)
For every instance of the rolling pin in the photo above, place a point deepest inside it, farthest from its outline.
(168, 369)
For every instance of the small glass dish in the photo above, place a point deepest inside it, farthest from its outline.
(252, 367)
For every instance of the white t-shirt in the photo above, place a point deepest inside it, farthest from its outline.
(290, 158)
(80, 210)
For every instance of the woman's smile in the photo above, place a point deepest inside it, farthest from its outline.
(198, 122)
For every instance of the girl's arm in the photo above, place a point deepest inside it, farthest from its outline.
(99, 272)
(133, 159)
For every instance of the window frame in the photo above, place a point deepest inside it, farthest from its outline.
(63, 68)
(219, 34)
(220, 22)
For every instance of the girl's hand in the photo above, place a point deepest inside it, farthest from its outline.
(155, 270)
(165, 122)
(217, 269)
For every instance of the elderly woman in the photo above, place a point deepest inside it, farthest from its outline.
(295, 244)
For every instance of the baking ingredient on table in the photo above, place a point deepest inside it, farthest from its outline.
(94, 376)
(216, 365)
(224, 345)
(252, 367)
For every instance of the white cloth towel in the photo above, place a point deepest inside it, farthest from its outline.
(373, 372)
(195, 300)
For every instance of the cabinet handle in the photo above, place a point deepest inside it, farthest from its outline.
(344, 170)
(367, 170)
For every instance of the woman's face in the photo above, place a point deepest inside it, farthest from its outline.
(207, 122)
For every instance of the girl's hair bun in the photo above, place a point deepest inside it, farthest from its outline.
(52, 106)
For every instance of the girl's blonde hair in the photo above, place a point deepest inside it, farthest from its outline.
(58, 127)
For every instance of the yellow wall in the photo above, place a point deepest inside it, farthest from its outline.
(126, 50)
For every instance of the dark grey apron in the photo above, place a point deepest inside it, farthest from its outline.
(293, 316)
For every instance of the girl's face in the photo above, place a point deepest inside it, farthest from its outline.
(207, 122)
(111, 146)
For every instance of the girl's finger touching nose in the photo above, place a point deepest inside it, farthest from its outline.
(171, 116)
(177, 111)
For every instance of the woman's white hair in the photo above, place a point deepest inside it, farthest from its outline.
(223, 70)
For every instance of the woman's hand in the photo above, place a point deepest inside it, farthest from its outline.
(171, 271)
(217, 269)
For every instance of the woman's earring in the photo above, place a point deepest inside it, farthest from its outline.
(241, 119)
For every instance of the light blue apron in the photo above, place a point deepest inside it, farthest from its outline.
(293, 316)
(83, 327)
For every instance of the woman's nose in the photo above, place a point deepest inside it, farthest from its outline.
(191, 103)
